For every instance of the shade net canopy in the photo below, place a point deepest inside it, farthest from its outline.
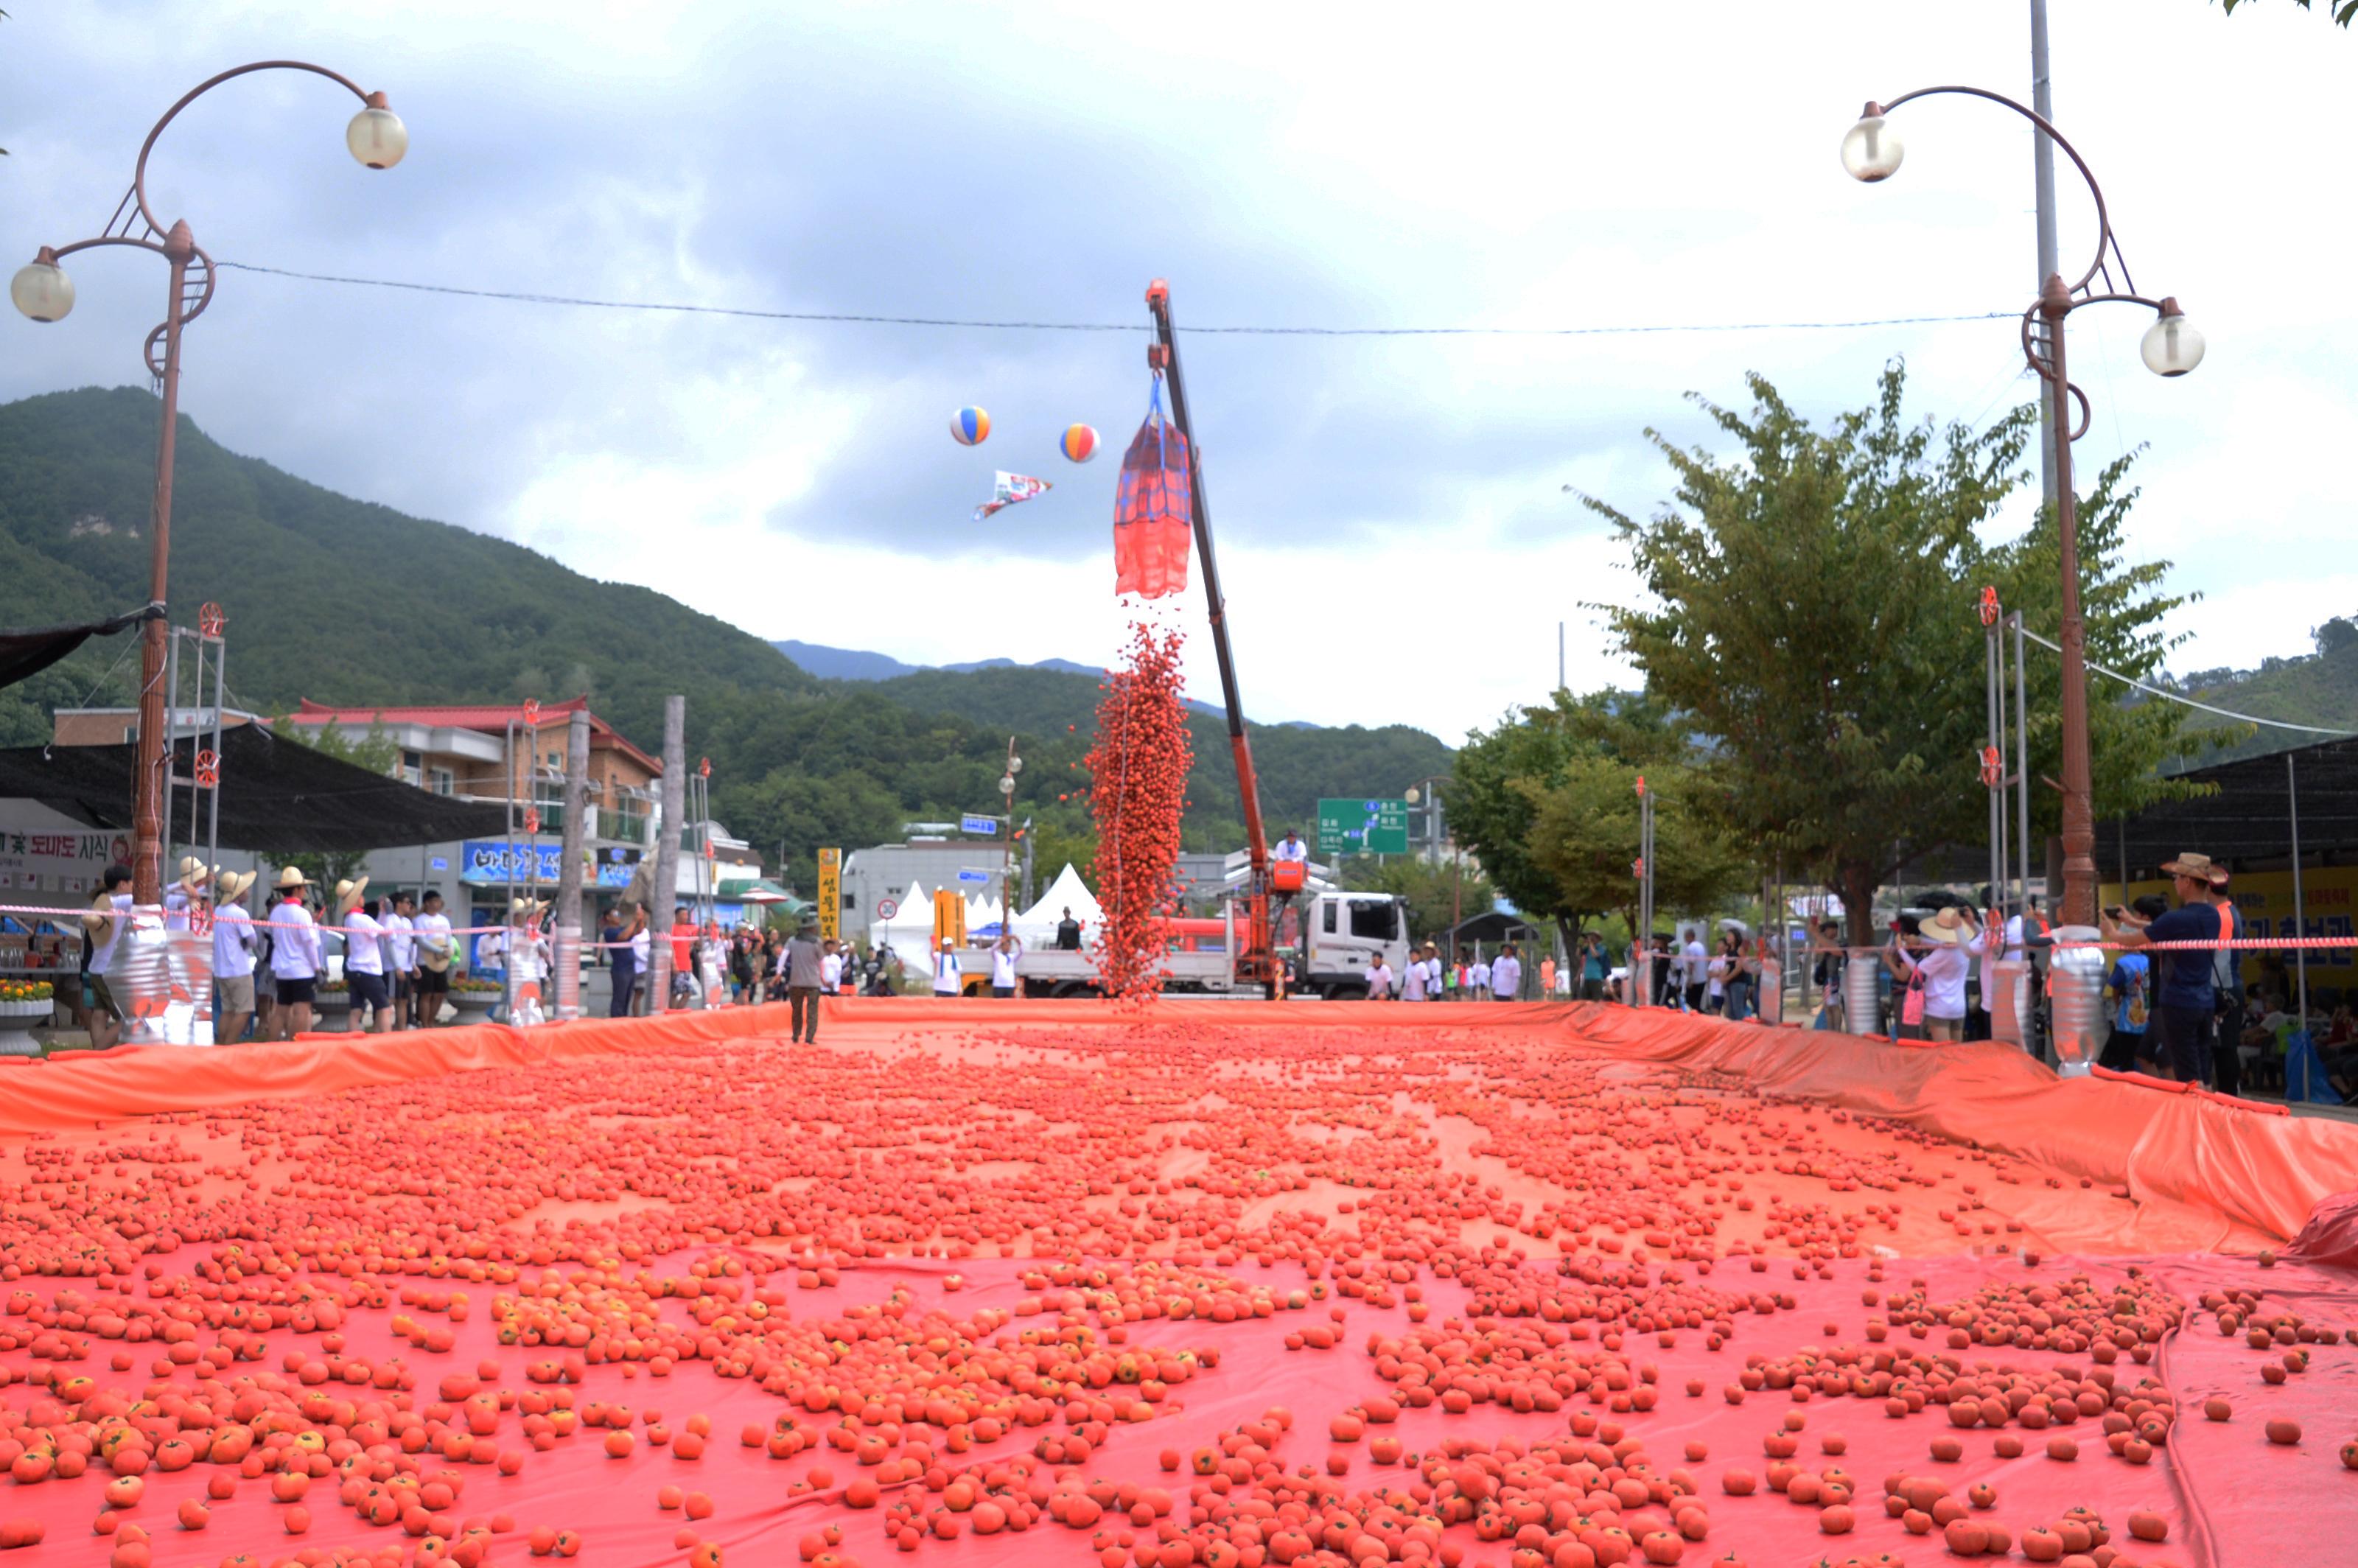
(275, 794)
(29, 652)
(976, 1283)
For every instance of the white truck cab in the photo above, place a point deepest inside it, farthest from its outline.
(1342, 933)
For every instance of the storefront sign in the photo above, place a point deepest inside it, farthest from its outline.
(58, 861)
(830, 895)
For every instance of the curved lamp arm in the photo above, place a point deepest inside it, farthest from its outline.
(139, 170)
(2104, 221)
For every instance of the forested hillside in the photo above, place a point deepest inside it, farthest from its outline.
(348, 602)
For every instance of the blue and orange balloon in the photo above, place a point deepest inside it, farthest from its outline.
(971, 427)
(1080, 442)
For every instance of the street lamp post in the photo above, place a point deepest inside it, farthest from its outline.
(42, 290)
(1872, 152)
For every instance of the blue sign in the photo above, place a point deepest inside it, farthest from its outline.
(984, 824)
(441, 862)
(974, 876)
(498, 860)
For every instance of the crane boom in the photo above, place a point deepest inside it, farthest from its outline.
(1256, 961)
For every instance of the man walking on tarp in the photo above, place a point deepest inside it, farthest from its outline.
(805, 974)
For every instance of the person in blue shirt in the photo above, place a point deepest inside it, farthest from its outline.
(2131, 987)
(2185, 994)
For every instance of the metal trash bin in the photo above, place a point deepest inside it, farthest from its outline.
(2075, 994)
(2010, 1003)
(1862, 994)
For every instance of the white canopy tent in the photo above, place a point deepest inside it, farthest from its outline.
(1037, 926)
(911, 932)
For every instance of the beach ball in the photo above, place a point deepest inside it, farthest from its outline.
(971, 427)
(1080, 443)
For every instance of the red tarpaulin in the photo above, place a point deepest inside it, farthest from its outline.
(1044, 1235)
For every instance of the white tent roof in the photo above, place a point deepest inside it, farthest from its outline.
(1068, 891)
(916, 910)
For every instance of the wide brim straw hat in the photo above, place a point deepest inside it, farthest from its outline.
(1947, 928)
(348, 891)
(234, 885)
(194, 872)
(527, 906)
(2202, 868)
(292, 877)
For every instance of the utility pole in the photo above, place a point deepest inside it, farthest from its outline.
(569, 922)
(1558, 655)
(665, 888)
(2042, 99)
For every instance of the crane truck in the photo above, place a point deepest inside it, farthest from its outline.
(1339, 932)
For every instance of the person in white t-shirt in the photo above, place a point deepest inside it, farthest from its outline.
(1005, 952)
(102, 928)
(400, 958)
(294, 956)
(363, 956)
(1696, 965)
(1506, 975)
(235, 946)
(1945, 964)
(948, 979)
(437, 949)
(1412, 979)
(1477, 978)
(831, 969)
(1380, 979)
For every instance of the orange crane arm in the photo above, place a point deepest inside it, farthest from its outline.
(1164, 355)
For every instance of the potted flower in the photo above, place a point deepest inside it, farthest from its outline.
(331, 1006)
(24, 1004)
(474, 998)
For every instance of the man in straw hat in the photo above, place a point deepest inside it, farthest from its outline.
(2179, 1030)
(294, 956)
(103, 927)
(363, 955)
(805, 964)
(235, 946)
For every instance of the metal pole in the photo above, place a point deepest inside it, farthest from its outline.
(2042, 99)
(2300, 909)
(147, 782)
(2078, 904)
(665, 890)
(570, 922)
(1991, 661)
(220, 721)
(2021, 776)
(172, 739)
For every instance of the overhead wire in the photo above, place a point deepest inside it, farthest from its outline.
(522, 297)
(2169, 695)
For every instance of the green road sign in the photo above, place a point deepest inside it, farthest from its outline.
(1374, 827)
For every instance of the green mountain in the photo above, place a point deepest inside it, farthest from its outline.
(348, 602)
(2319, 688)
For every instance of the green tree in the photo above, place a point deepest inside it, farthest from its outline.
(1548, 800)
(1811, 610)
(2336, 634)
(2342, 11)
(1436, 894)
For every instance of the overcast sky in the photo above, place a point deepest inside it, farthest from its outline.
(1578, 165)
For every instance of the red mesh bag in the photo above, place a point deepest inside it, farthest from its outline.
(1151, 514)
